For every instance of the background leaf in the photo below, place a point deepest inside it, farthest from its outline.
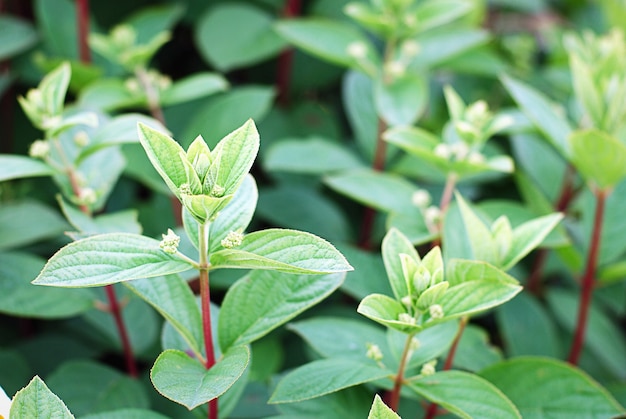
(36, 400)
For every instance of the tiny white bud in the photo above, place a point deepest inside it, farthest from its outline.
(411, 48)
(232, 239)
(357, 49)
(432, 215)
(132, 85)
(421, 279)
(86, 196)
(460, 150)
(81, 139)
(443, 150)
(49, 122)
(217, 191)
(406, 301)
(407, 318)
(415, 344)
(395, 68)
(476, 157)
(436, 311)
(185, 189)
(421, 198)
(170, 242)
(163, 82)
(374, 352)
(477, 111)
(410, 21)
(351, 9)
(429, 368)
(39, 149)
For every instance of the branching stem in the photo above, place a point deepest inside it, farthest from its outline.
(588, 278)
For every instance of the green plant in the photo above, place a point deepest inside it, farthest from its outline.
(468, 165)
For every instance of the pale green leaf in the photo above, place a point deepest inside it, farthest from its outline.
(528, 236)
(186, 381)
(37, 401)
(465, 395)
(172, 297)
(122, 221)
(433, 13)
(480, 237)
(323, 377)
(107, 259)
(16, 36)
(394, 244)
(380, 410)
(18, 229)
(403, 100)
(271, 299)
(385, 310)
(600, 157)
(548, 388)
(284, 250)
(193, 87)
(17, 167)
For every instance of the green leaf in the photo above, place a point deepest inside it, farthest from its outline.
(16, 36)
(249, 32)
(383, 191)
(433, 13)
(36, 400)
(542, 112)
(528, 236)
(474, 351)
(271, 299)
(165, 155)
(394, 244)
(226, 112)
(126, 414)
(193, 87)
(548, 388)
(121, 221)
(107, 259)
(18, 229)
(171, 296)
(412, 225)
(600, 157)
(380, 410)
(110, 95)
(18, 297)
(186, 381)
(403, 100)
(437, 47)
(284, 250)
(434, 342)
(522, 317)
(313, 156)
(16, 167)
(385, 310)
(108, 389)
(465, 395)
(326, 39)
(481, 240)
(358, 101)
(323, 377)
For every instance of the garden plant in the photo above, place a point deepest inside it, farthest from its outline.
(312, 209)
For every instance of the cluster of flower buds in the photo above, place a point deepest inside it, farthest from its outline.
(430, 213)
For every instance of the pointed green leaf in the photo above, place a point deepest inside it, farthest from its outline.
(236, 153)
(481, 240)
(53, 88)
(325, 38)
(18, 229)
(121, 221)
(465, 395)
(550, 120)
(164, 154)
(37, 401)
(271, 299)
(17, 167)
(193, 87)
(283, 250)
(600, 157)
(433, 13)
(528, 236)
(394, 244)
(186, 381)
(385, 310)
(172, 297)
(380, 410)
(548, 388)
(107, 259)
(403, 100)
(323, 377)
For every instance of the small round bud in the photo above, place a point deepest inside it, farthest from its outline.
(185, 189)
(395, 69)
(436, 311)
(415, 344)
(443, 150)
(374, 352)
(351, 9)
(170, 242)
(429, 368)
(407, 318)
(460, 150)
(123, 36)
(132, 85)
(163, 81)
(357, 49)
(217, 191)
(410, 21)
(432, 215)
(49, 122)
(477, 112)
(232, 239)
(81, 139)
(86, 196)
(476, 158)
(410, 48)
(39, 149)
(406, 301)
(421, 198)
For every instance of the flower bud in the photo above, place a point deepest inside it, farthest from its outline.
(81, 139)
(415, 344)
(429, 368)
(410, 48)
(217, 191)
(185, 189)
(407, 318)
(421, 198)
(39, 149)
(443, 150)
(357, 50)
(232, 239)
(374, 352)
(436, 311)
(86, 196)
(421, 279)
(170, 242)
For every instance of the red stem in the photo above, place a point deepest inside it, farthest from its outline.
(431, 412)
(588, 279)
(379, 165)
(394, 397)
(285, 59)
(116, 311)
(205, 298)
(82, 14)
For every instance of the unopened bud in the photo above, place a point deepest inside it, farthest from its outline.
(86, 196)
(476, 158)
(81, 139)
(436, 311)
(232, 239)
(39, 149)
(410, 48)
(407, 318)
(432, 215)
(429, 368)
(395, 69)
(357, 49)
(217, 191)
(421, 198)
(406, 301)
(170, 242)
(443, 150)
(374, 352)
(185, 189)
(460, 150)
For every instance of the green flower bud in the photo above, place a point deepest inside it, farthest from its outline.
(170, 242)
(374, 352)
(407, 318)
(39, 149)
(429, 368)
(436, 311)
(232, 239)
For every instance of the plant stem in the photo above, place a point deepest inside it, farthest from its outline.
(431, 412)
(205, 302)
(82, 14)
(285, 59)
(444, 203)
(379, 165)
(116, 311)
(394, 399)
(588, 278)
